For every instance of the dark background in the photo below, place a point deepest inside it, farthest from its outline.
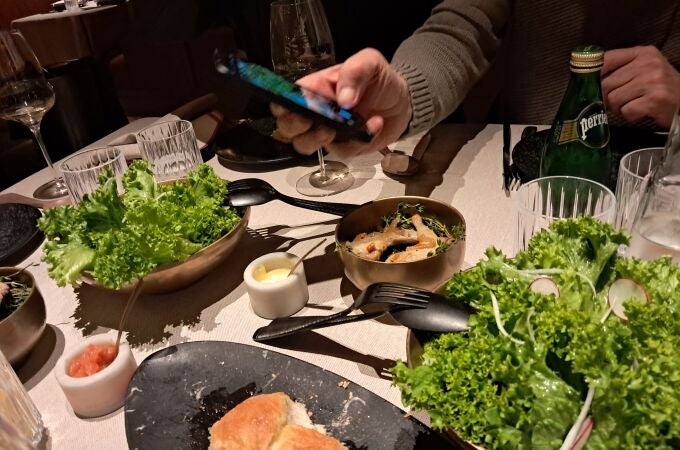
(355, 24)
(163, 61)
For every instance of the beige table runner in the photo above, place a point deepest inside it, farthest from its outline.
(461, 167)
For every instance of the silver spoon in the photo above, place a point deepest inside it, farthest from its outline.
(301, 258)
(126, 311)
(401, 164)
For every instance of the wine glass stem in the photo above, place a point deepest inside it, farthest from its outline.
(35, 129)
(322, 164)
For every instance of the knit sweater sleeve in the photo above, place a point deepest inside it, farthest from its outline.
(447, 55)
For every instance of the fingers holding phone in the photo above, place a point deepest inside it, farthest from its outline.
(307, 137)
(368, 85)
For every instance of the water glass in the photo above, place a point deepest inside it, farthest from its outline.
(633, 169)
(544, 200)
(171, 148)
(71, 5)
(21, 426)
(81, 171)
(656, 230)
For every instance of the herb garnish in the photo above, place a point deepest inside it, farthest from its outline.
(13, 293)
(449, 234)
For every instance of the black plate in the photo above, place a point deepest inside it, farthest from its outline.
(19, 233)
(251, 144)
(179, 392)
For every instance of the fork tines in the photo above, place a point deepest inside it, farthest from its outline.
(399, 294)
(401, 288)
(236, 185)
(248, 183)
(515, 178)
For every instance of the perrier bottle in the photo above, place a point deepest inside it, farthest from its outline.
(579, 139)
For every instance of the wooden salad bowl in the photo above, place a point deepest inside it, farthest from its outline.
(175, 276)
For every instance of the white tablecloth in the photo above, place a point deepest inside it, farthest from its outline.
(462, 167)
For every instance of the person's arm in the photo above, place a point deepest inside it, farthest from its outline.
(447, 55)
(430, 74)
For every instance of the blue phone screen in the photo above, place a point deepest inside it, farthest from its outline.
(268, 80)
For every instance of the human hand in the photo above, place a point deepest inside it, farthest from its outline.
(639, 83)
(367, 84)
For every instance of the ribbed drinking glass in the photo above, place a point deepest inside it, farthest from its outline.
(81, 171)
(633, 169)
(21, 426)
(171, 148)
(544, 200)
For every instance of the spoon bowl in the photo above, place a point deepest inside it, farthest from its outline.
(439, 316)
(399, 164)
(250, 197)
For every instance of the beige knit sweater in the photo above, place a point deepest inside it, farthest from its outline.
(511, 58)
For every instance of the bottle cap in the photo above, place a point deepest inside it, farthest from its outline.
(587, 58)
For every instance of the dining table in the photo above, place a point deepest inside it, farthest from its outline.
(462, 166)
(58, 37)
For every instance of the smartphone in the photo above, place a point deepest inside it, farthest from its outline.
(270, 87)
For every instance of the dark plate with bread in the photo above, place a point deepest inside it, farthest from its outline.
(178, 393)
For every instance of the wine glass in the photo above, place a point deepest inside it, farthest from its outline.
(301, 43)
(25, 97)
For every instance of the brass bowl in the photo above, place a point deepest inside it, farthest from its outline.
(429, 273)
(175, 276)
(20, 331)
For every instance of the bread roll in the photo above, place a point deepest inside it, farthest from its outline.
(296, 437)
(252, 424)
(268, 422)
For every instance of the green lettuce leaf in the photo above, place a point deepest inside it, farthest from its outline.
(139, 183)
(526, 390)
(67, 259)
(122, 240)
(103, 209)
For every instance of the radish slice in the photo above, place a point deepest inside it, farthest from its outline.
(622, 290)
(583, 434)
(546, 286)
(578, 427)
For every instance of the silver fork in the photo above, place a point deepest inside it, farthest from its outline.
(511, 176)
(388, 293)
(515, 180)
(249, 183)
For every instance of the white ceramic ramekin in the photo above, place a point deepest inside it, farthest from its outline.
(280, 298)
(102, 392)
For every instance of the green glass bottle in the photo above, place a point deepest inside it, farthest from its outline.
(579, 139)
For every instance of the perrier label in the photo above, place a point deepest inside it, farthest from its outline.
(579, 140)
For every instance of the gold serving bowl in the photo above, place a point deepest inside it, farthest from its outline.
(429, 273)
(175, 276)
(20, 331)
